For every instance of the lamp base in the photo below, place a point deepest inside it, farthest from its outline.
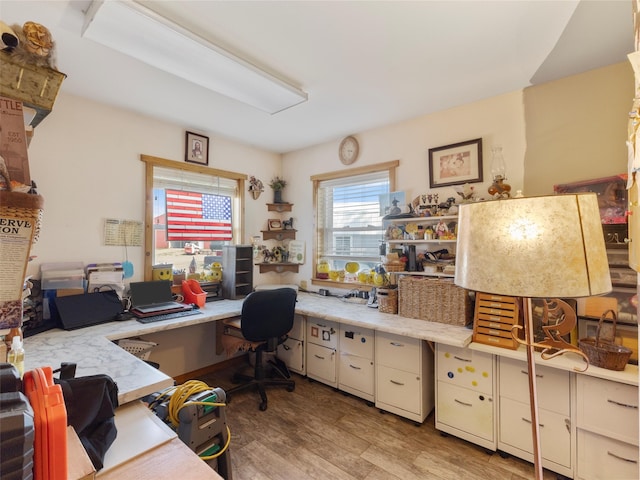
(499, 189)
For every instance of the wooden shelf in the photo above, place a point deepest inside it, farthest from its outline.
(279, 207)
(278, 234)
(278, 267)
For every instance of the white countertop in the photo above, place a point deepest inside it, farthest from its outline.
(93, 350)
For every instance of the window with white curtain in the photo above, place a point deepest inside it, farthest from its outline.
(348, 217)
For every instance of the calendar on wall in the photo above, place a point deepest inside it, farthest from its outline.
(126, 233)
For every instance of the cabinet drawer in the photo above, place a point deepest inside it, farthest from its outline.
(322, 332)
(398, 388)
(555, 431)
(465, 368)
(602, 458)
(608, 408)
(396, 351)
(321, 363)
(291, 352)
(553, 386)
(356, 372)
(357, 341)
(297, 331)
(466, 410)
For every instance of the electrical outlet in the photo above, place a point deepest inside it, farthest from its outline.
(303, 284)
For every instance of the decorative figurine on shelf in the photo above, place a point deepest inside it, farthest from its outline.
(35, 45)
(441, 229)
(395, 210)
(467, 192)
(288, 224)
(193, 266)
(268, 255)
(255, 187)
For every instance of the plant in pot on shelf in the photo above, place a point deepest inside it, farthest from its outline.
(277, 184)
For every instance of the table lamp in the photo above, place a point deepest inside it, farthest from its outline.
(540, 247)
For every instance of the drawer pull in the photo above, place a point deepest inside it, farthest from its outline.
(396, 344)
(461, 359)
(354, 367)
(529, 422)
(630, 460)
(462, 403)
(527, 374)
(397, 383)
(318, 356)
(622, 404)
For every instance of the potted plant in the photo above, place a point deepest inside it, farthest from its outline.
(277, 184)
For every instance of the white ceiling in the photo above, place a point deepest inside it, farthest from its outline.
(364, 64)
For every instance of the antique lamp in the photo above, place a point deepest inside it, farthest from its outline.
(541, 247)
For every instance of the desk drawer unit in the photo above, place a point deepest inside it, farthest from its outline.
(465, 368)
(357, 341)
(322, 332)
(356, 375)
(322, 364)
(603, 458)
(396, 351)
(553, 385)
(291, 351)
(398, 388)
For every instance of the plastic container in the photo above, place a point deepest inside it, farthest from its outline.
(193, 293)
(16, 355)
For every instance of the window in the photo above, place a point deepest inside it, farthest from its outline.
(348, 218)
(191, 212)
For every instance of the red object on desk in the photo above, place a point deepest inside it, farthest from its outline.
(193, 293)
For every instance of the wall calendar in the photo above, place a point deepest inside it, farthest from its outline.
(126, 233)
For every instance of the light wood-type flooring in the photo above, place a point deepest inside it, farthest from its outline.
(319, 433)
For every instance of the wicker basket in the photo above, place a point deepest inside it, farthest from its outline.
(387, 300)
(433, 299)
(393, 267)
(605, 353)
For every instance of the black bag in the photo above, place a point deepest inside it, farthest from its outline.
(91, 402)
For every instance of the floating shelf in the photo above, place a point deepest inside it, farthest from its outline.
(279, 207)
(278, 267)
(278, 234)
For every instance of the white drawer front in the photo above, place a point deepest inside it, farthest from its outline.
(555, 434)
(398, 388)
(465, 368)
(322, 332)
(553, 385)
(357, 341)
(396, 351)
(356, 372)
(291, 352)
(465, 410)
(608, 408)
(602, 458)
(321, 363)
(297, 331)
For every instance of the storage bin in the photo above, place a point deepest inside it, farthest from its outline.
(387, 300)
(433, 299)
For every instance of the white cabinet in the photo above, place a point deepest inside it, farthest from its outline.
(321, 351)
(554, 414)
(404, 376)
(607, 423)
(356, 373)
(465, 394)
(291, 351)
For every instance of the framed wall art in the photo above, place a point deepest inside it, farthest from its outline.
(456, 164)
(196, 149)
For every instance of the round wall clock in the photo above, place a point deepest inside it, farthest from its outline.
(348, 150)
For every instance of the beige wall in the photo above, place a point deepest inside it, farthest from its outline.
(576, 128)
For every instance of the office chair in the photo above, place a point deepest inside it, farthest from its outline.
(267, 317)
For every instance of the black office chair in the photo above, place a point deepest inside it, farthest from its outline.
(267, 317)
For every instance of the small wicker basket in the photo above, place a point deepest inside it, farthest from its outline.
(434, 299)
(605, 353)
(387, 300)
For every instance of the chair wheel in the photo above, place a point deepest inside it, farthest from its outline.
(263, 406)
(291, 388)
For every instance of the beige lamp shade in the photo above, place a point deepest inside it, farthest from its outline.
(547, 246)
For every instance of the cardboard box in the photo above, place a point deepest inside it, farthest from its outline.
(79, 466)
(13, 140)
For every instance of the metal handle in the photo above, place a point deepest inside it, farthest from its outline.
(529, 421)
(622, 404)
(354, 367)
(395, 344)
(461, 359)
(462, 403)
(318, 356)
(396, 383)
(527, 374)
(630, 460)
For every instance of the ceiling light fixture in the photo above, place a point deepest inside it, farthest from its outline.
(134, 30)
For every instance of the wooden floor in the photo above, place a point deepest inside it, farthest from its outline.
(316, 432)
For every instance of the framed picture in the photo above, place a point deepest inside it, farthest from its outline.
(456, 164)
(196, 149)
(275, 224)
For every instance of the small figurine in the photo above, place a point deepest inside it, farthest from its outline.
(441, 229)
(288, 224)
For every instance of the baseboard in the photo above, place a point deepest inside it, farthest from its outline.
(201, 372)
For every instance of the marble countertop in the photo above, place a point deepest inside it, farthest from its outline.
(94, 351)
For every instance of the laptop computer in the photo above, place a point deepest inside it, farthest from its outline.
(153, 298)
(84, 310)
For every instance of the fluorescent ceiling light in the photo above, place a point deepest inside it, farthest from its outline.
(134, 30)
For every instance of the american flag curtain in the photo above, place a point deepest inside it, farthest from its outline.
(195, 216)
